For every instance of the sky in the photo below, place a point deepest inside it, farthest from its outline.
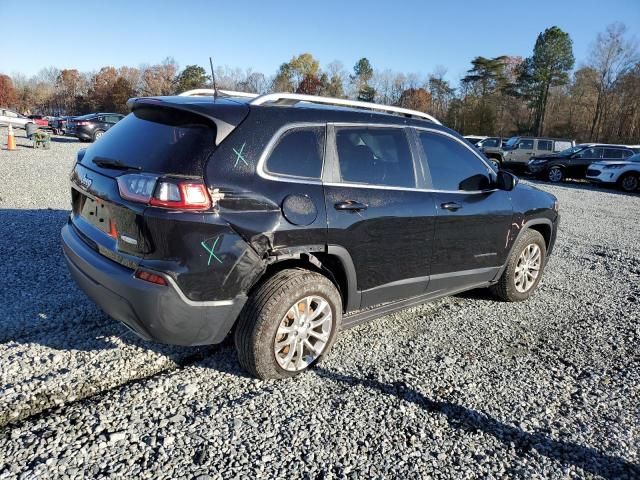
(404, 36)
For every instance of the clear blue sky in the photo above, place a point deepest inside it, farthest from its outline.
(406, 36)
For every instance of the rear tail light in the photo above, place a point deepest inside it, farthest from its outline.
(150, 277)
(165, 193)
(81, 123)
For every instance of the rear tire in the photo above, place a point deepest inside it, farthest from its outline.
(524, 268)
(97, 134)
(629, 182)
(495, 162)
(276, 326)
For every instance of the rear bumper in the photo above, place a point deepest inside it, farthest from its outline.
(154, 312)
(82, 134)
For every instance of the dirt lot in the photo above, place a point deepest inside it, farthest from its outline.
(465, 387)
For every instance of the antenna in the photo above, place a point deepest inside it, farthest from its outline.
(213, 79)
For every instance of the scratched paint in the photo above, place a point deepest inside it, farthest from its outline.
(211, 250)
(240, 156)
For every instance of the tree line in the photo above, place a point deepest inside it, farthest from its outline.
(542, 94)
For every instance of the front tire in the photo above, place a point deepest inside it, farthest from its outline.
(288, 324)
(98, 134)
(629, 182)
(524, 268)
(555, 174)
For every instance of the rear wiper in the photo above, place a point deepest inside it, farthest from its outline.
(114, 164)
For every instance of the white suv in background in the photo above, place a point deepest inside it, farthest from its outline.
(9, 117)
(625, 173)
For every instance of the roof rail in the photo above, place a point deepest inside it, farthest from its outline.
(292, 98)
(210, 91)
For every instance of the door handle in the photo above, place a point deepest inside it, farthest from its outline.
(350, 205)
(453, 206)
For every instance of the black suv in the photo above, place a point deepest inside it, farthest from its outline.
(282, 222)
(90, 127)
(573, 162)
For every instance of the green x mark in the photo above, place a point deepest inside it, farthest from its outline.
(239, 155)
(211, 250)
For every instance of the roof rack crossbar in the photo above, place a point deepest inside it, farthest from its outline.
(297, 97)
(210, 91)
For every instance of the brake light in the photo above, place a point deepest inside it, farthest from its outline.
(166, 193)
(150, 277)
(183, 195)
(137, 187)
(82, 123)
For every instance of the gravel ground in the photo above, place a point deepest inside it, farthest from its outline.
(465, 387)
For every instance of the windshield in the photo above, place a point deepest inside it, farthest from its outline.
(634, 158)
(512, 141)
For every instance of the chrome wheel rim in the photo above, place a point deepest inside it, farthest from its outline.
(528, 268)
(630, 183)
(555, 175)
(495, 164)
(303, 333)
(99, 134)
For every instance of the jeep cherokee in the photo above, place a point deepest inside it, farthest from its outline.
(280, 221)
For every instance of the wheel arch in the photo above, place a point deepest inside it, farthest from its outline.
(335, 263)
(543, 226)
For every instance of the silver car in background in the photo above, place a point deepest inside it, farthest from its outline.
(9, 117)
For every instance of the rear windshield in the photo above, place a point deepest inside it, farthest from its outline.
(157, 140)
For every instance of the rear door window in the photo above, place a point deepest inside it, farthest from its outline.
(613, 154)
(545, 145)
(453, 166)
(375, 156)
(298, 153)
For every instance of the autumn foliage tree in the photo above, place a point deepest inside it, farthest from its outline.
(8, 94)
(502, 95)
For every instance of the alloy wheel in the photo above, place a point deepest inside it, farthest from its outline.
(528, 268)
(555, 174)
(495, 164)
(630, 183)
(303, 333)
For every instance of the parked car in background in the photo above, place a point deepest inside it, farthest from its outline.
(195, 218)
(90, 127)
(10, 117)
(573, 162)
(474, 139)
(625, 173)
(492, 149)
(59, 124)
(519, 150)
(39, 120)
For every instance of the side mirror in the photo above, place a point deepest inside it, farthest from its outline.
(506, 181)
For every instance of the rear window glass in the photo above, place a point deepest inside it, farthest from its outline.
(157, 140)
(298, 153)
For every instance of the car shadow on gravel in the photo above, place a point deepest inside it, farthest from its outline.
(57, 139)
(468, 420)
(41, 303)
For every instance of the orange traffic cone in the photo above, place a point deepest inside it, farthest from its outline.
(11, 140)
